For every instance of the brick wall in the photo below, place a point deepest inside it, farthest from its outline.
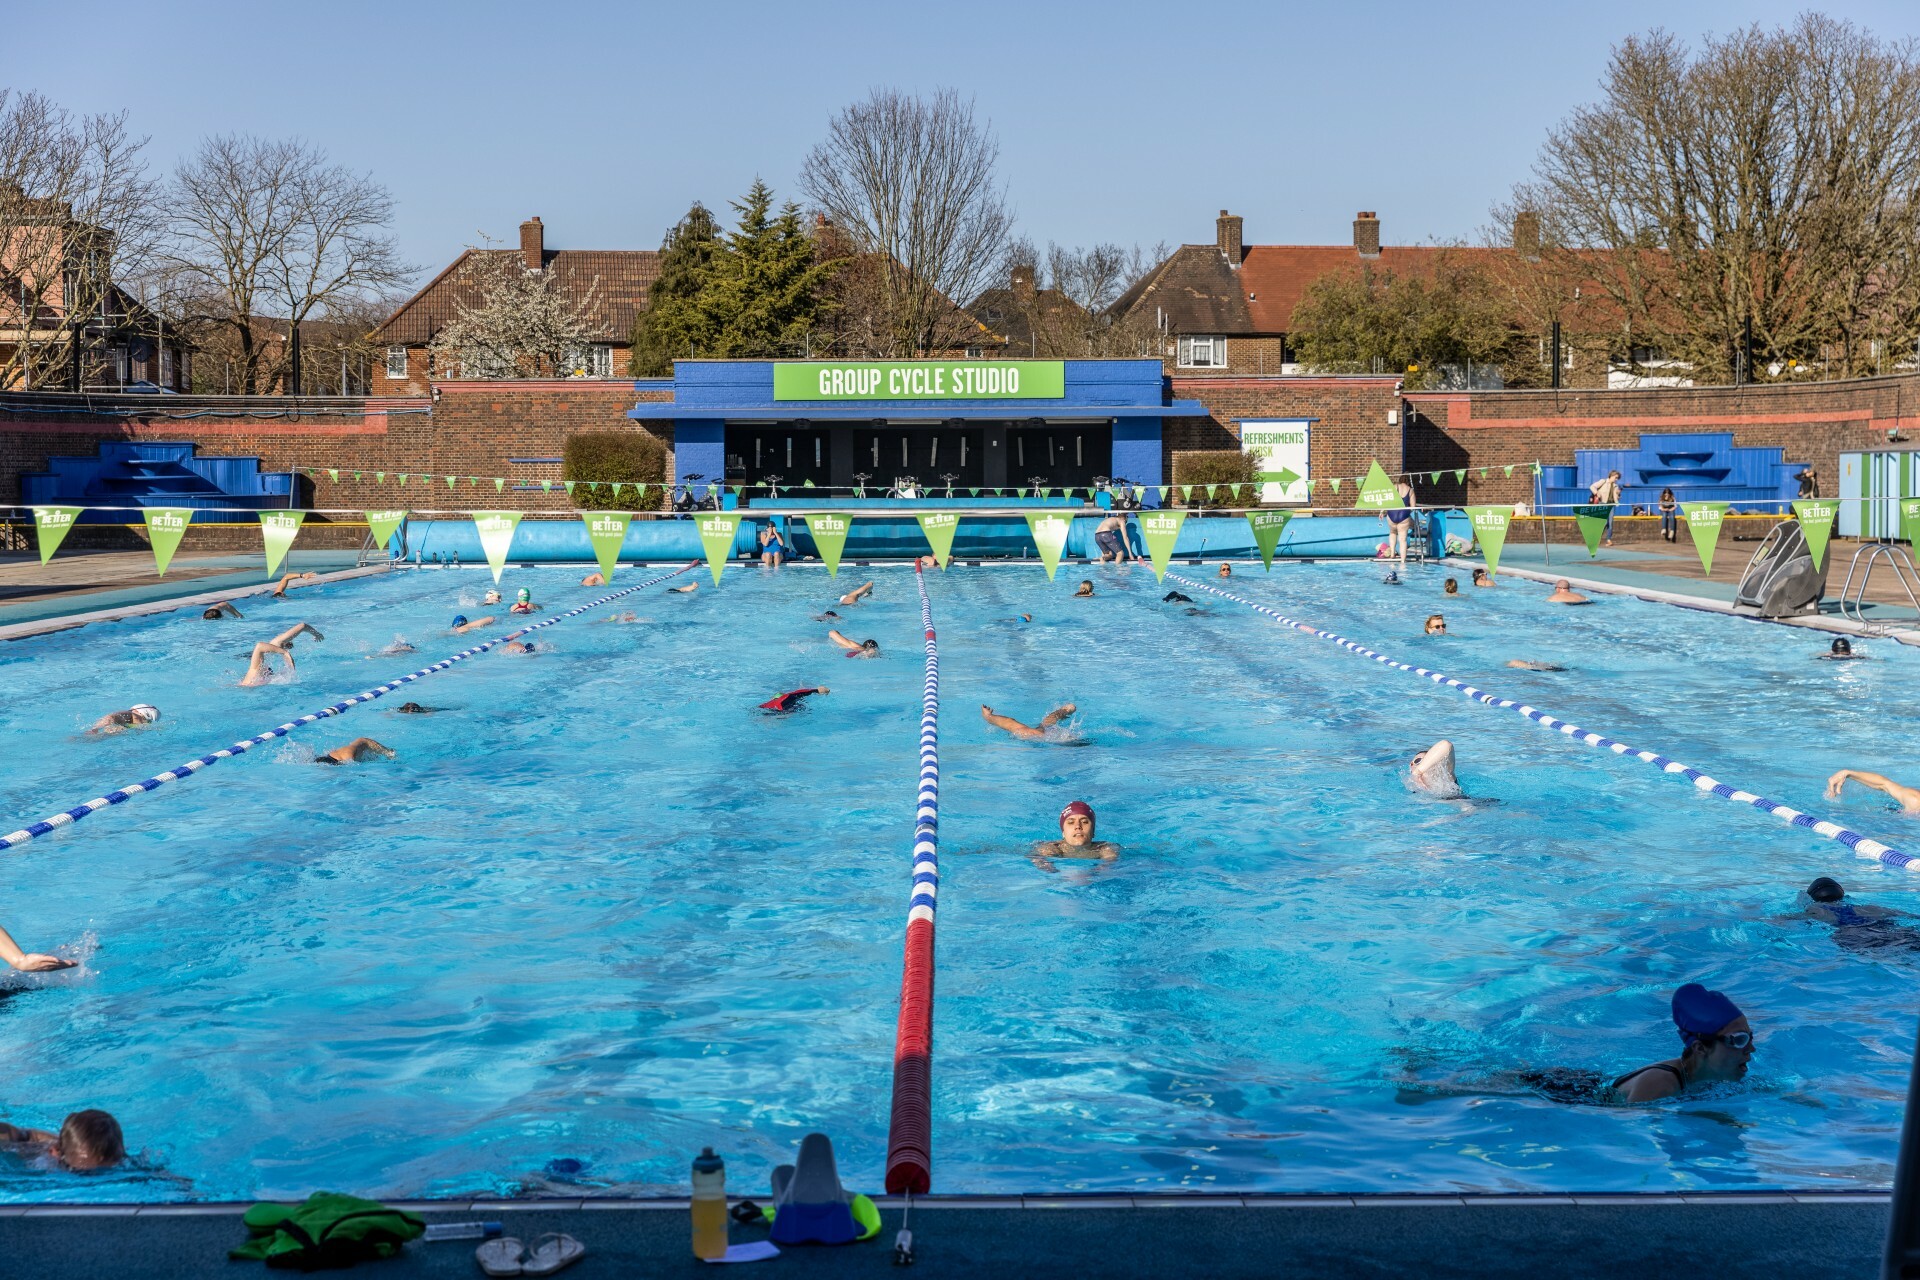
(1351, 427)
(419, 377)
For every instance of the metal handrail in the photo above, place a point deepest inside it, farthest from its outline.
(1863, 562)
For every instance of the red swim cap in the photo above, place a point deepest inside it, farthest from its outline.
(1080, 807)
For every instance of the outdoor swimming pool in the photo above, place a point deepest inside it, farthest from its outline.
(601, 909)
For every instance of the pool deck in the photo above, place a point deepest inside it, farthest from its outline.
(102, 586)
(1607, 1237)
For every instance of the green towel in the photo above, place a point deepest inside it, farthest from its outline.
(328, 1231)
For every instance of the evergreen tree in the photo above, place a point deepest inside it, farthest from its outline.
(763, 287)
(675, 322)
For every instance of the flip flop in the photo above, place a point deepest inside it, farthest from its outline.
(552, 1252)
(501, 1257)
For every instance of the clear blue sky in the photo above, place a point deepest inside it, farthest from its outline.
(1118, 121)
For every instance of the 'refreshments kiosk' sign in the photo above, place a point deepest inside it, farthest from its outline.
(920, 380)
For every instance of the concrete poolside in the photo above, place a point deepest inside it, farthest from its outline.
(1808, 1237)
(92, 581)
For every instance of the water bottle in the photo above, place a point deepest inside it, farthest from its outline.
(709, 1206)
(462, 1230)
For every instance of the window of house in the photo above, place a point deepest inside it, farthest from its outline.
(973, 353)
(396, 362)
(601, 365)
(166, 366)
(120, 365)
(1647, 355)
(1202, 353)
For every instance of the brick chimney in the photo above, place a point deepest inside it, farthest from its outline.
(1366, 233)
(1526, 234)
(533, 243)
(1227, 228)
(1021, 282)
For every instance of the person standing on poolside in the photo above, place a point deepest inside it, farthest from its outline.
(1399, 522)
(1021, 730)
(1907, 797)
(1606, 492)
(29, 961)
(1719, 1044)
(1076, 840)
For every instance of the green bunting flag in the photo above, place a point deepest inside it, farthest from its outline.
(1483, 473)
(52, 524)
(1509, 472)
(1910, 519)
(1434, 478)
(450, 481)
(717, 530)
(607, 531)
(546, 486)
(1049, 537)
(1186, 493)
(1703, 522)
(1161, 529)
(165, 527)
(829, 530)
(1211, 490)
(809, 484)
(1536, 468)
(381, 524)
(1267, 528)
(499, 485)
(1490, 527)
(1816, 522)
(1336, 484)
(1593, 523)
(496, 536)
(379, 477)
(403, 479)
(333, 475)
(938, 528)
(1376, 491)
(474, 481)
(569, 486)
(277, 531)
(356, 477)
(971, 493)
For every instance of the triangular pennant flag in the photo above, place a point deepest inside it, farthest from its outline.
(356, 477)
(938, 528)
(546, 486)
(807, 485)
(607, 531)
(277, 531)
(639, 492)
(569, 486)
(1509, 472)
(1816, 523)
(1593, 523)
(51, 525)
(165, 527)
(1236, 491)
(1490, 527)
(1335, 483)
(1161, 529)
(450, 481)
(474, 481)
(1049, 537)
(717, 532)
(1910, 520)
(973, 493)
(1703, 522)
(738, 489)
(381, 525)
(379, 477)
(1210, 491)
(499, 485)
(1460, 476)
(333, 475)
(1377, 491)
(1434, 478)
(829, 530)
(1267, 528)
(1483, 473)
(1186, 492)
(403, 479)
(496, 536)
(1536, 468)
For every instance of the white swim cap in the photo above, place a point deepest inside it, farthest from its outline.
(145, 713)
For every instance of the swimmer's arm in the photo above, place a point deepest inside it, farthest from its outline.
(27, 961)
(14, 1134)
(1908, 797)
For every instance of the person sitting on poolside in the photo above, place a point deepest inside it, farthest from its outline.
(593, 580)
(1019, 730)
(215, 612)
(29, 961)
(1452, 586)
(492, 596)
(87, 1140)
(415, 709)
(1431, 771)
(288, 580)
(1085, 589)
(789, 701)
(686, 590)
(1841, 650)
(854, 596)
(1525, 664)
(1858, 928)
(1076, 839)
(855, 648)
(1563, 593)
(354, 752)
(1226, 571)
(523, 602)
(139, 715)
(1436, 625)
(259, 669)
(1481, 578)
(773, 547)
(1719, 1044)
(1907, 797)
(461, 626)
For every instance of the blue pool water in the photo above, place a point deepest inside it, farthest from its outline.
(600, 909)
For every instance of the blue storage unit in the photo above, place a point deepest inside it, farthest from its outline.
(153, 473)
(1698, 466)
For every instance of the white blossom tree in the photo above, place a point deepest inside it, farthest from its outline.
(523, 324)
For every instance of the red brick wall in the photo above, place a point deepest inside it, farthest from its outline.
(1351, 427)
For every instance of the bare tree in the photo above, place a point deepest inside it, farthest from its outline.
(522, 324)
(263, 228)
(911, 183)
(1060, 304)
(76, 209)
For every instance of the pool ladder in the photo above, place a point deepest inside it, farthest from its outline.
(1904, 572)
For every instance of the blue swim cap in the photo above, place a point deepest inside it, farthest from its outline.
(1699, 1012)
(459, 619)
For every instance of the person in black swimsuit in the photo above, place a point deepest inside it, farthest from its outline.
(1865, 927)
(1719, 1043)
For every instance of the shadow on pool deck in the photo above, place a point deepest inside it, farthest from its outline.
(1614, 1237)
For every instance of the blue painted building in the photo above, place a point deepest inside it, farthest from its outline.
(968, 424)
(1701, 466)
(157, 473)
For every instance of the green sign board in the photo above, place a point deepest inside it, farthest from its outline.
(920, 380)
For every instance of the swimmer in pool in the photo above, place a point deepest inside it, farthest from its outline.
(1084, 590)
(87, 1140)
(625, 615)
(1452, 587)
(687, 590)
(523, 602)
(354, 752)
(519, 647)
(1907, 797)
(492, 596)
(1841, 650)
(855, 648)
(1436, 625)
(1431, 771)
(29, 961)
(1524, 664)
(854, 596)
(286, 583)
(138, 716)
(415, 709)
(1019, 730)
(1481, 578)
(1076, 839)
(461, 626)
(593, 580)
(1563, 593)
(393, 650)
(1226, 571)
(1174, 597)
(215, 612)
(259, 667)
(1864, 927)
(1718, 1040)
(789, 701)
(1392, 579)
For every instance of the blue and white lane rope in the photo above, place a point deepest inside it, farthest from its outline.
(926, 817)
(191, 767)
(1862, 845)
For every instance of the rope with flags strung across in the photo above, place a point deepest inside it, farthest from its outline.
(67, 817)
(1861, 845)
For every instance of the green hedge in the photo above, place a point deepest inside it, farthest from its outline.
(1217, 467)
(633, 457)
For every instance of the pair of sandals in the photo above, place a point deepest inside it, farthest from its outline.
(506, 1256)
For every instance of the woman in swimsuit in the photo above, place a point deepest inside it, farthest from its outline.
(1719, 1044)
(1399, 521)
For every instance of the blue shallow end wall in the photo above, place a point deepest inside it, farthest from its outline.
(876, 536)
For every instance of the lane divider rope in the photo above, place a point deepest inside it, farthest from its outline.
(69, 816)
(1864, 846)
(910, 1134)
